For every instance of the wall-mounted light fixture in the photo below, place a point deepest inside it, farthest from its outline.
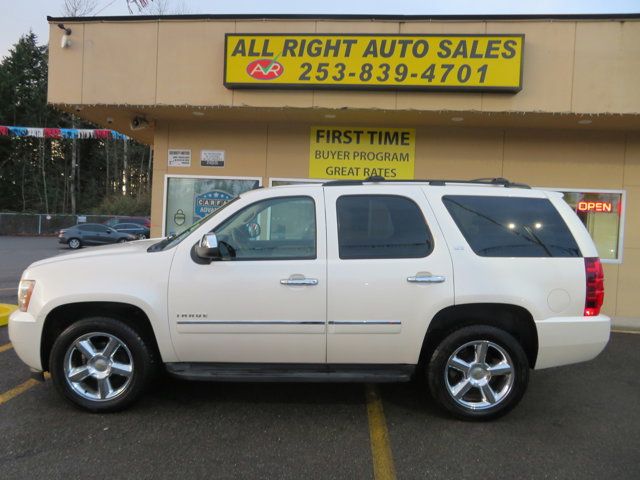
(65, 42)
(138, 123)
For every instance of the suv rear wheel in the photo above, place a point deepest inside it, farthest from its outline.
(478, 373)
(101, 364)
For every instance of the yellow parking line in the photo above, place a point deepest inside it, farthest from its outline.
(5, 347)
(383, 468)
(14, 392)
(6, 310)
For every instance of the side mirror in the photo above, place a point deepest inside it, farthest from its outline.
(208, 247)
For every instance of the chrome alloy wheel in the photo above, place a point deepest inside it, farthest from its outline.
(479, 375)
(74, 243)
(98, 366)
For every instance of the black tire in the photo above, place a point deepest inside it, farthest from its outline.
(137, 349)
(74, 243)
(489, 395)
(122, 240)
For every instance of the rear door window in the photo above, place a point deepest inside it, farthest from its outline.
(381, 226)
(511, 227)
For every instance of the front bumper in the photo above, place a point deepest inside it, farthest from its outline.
(25, 334)
(566, 340)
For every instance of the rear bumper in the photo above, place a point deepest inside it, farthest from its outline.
(566, 340)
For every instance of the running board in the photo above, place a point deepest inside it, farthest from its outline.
(290, 372)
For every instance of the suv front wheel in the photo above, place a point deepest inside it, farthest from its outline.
(101, 364)
(478, 372)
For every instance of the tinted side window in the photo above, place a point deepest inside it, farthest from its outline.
(511, 227)
(381, 226)
(92, 228)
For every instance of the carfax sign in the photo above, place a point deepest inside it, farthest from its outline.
(208, 202)
(396, 62)
(359, 152)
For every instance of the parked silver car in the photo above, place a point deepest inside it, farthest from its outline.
(92, 234)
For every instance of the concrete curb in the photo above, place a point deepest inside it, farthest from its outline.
(629, 324)
(6, 310)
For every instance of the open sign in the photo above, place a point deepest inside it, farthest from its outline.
(586, 206)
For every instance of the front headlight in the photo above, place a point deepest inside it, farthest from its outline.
(25, 289)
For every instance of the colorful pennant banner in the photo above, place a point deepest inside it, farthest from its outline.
(61, 133)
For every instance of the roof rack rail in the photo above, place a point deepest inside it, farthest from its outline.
(498, 181)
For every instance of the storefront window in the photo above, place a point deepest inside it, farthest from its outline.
(602, 212)
(191, 198)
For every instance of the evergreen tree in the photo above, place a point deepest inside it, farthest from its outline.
(35, 174)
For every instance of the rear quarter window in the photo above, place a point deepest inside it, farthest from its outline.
(511, 227)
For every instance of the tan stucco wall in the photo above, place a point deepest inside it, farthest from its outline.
(565, 159)
(569, 66)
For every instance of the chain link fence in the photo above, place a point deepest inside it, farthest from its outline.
(47, 224)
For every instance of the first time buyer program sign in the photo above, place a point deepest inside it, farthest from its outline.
(357, 153)
(481, 62)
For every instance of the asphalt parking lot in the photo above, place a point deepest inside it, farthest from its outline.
(16, 254)
(579, 421)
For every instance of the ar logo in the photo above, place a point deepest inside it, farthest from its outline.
(265, 69)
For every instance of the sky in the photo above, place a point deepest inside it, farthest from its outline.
(19, 16)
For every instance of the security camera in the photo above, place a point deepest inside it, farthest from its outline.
(138, 123)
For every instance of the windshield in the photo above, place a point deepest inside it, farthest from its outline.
(171, 241)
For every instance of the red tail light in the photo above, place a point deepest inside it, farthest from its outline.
(595, 286)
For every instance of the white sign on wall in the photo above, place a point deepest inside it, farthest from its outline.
(212, 158)
(179, 158)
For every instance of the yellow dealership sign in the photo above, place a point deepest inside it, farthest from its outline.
(358, 153)
(392, 62)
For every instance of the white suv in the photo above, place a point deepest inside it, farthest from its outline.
(469, 284)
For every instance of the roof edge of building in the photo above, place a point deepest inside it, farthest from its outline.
(273, 16)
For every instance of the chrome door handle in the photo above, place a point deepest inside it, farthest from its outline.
(299, 281)
(426, 279)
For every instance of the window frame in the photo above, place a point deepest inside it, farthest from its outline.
(268, 199)
(404, 197)
(623, 193)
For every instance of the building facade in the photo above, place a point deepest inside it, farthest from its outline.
(232, 103)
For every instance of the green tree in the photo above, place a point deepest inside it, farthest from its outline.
(35, 174)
